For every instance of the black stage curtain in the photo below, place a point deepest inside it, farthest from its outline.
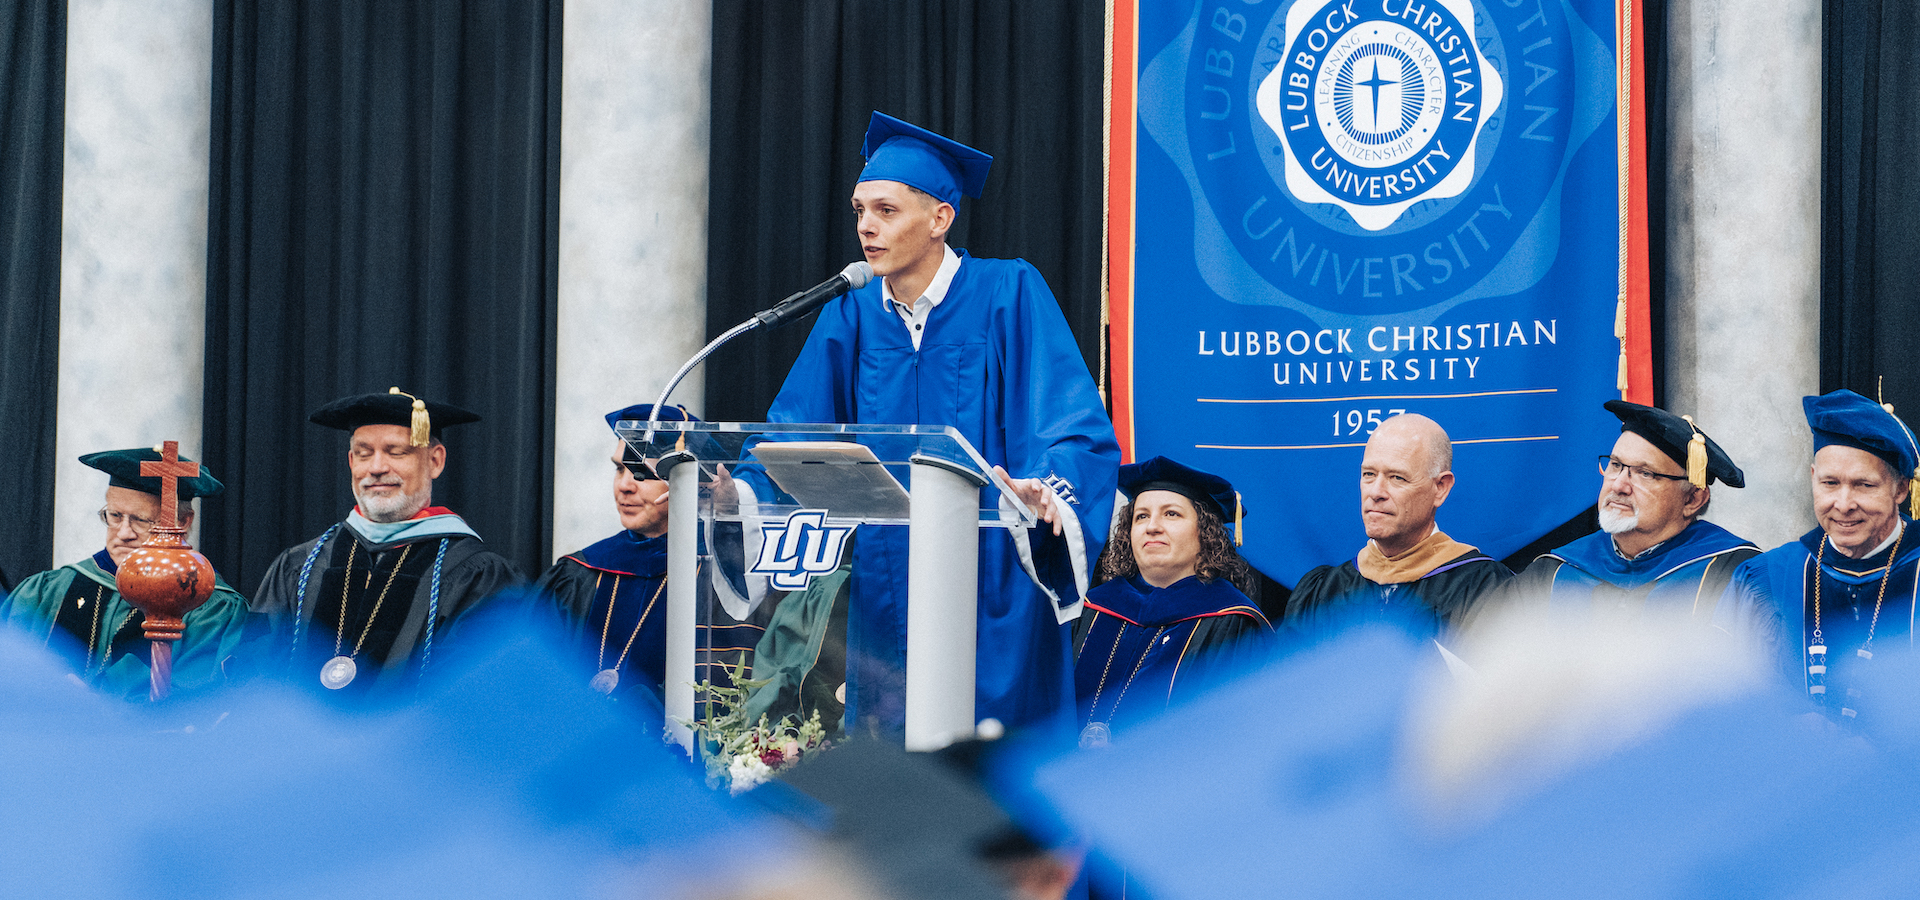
(384, 211)
(1869, 247)
(33, 66)
(793, 87)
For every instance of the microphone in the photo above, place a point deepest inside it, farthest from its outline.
(853, 277)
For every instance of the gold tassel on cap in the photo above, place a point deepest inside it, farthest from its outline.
(1913, 484)
(1238, 509)
(422, 426)
(1696, 455)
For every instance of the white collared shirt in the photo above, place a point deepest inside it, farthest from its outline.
(1898, 527)
(914, 315)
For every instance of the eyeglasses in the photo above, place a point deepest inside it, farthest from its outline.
(113, 518)
(1640, 475)
(639, 469)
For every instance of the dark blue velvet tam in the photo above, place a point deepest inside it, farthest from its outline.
(1849, 419)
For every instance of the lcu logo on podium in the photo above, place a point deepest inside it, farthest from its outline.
(805, 546)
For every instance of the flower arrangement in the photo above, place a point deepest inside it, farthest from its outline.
(741, 754)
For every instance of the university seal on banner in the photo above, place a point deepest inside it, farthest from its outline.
(1379, 103)
(1373, 157)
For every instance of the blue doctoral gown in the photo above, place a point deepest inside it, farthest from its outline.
(998, 363)
(1142, 647)
(1689, 570)
(613, 597)
(1771, 596)
(611, 593)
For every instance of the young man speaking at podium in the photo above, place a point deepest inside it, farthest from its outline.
(943, 338)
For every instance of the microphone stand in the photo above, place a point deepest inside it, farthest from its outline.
(653, 418)
(853, 277)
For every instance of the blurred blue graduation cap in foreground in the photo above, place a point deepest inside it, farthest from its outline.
(1290, 782)
(508, 779)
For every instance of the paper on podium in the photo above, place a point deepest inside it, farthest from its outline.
(841, 476)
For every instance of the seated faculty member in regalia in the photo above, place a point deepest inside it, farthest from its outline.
(1409, 571)
(1653, 549)
(1830, 605)
(78, 607)
(612, 595)
(1172, 608)
(360, 609)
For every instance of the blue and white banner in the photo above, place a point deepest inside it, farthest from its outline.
(1340, 210)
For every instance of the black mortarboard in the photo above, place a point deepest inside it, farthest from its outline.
(905, 152)
(920, 822)
(123, 471)
(1163, 474)
(1675, 436)
(1846, 418)
(392, 408)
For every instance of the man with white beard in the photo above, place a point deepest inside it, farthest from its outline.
(358, 609)
(1653, 549)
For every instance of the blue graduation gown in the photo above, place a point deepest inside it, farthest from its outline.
(1138, 644)
(998, 363)
(1772, 596)
(1689, 570)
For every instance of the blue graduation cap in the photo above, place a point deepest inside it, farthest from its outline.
(642, 470)
(905, 152)
(640, 412)
(1851, 420)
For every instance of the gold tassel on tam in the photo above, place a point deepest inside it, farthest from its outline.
(1238, 510)
(422, 427)
(1696, 455)
(1913, 484)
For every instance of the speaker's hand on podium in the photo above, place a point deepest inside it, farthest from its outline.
(725, 495)
(1035, 494)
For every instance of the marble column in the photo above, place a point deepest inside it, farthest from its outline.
(133, 243)
(1743, 281)
(633, 233)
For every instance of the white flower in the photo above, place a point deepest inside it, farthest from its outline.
(746, 771)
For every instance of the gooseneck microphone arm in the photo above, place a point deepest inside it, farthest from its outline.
(852, 278)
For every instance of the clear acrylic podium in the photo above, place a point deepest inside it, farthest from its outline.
(789, 495)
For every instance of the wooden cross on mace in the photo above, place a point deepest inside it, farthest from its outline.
(168, 468)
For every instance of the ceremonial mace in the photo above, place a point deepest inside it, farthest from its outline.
(165, 577)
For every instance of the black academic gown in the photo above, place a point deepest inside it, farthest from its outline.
(1439, 599)
(1140, 648)
(395, 616)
